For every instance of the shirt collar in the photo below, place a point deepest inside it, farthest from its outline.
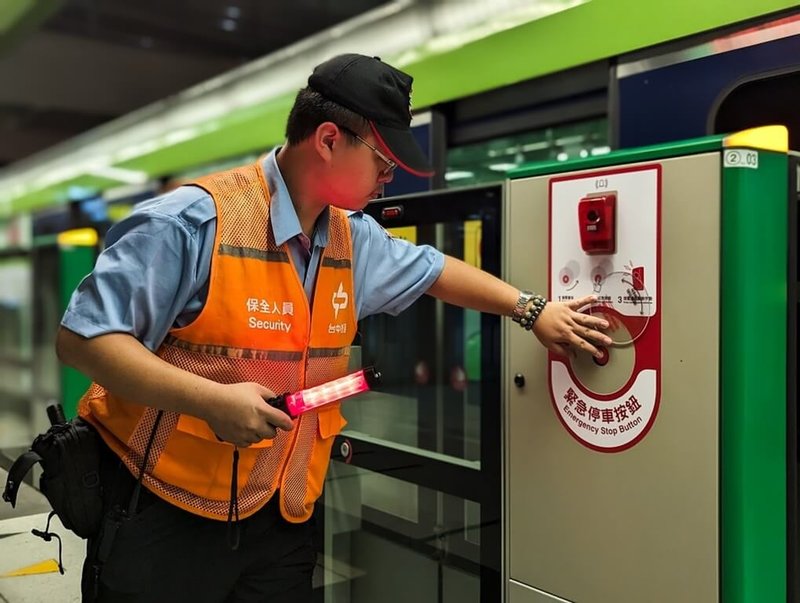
(285, 223)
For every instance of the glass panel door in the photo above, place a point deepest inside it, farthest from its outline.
(16, 378)
(411, 509)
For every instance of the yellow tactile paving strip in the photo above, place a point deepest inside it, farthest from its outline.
(19, 549)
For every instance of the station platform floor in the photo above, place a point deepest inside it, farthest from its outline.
(29, 565)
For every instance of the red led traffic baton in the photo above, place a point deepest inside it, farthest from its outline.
(295, 404)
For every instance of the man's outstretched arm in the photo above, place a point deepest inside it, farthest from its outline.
(560, 327)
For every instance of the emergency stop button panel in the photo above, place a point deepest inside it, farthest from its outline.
(605, 241)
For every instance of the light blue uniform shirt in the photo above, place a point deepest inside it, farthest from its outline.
(153, 273)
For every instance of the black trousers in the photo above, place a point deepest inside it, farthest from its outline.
(163, 553)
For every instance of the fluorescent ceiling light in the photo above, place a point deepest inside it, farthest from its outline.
(120, 174)
(458, 175)
(536, 146)
(126, 191)
(502, 167)
(574, 139)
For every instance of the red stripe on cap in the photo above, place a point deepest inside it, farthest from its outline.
(394, 157)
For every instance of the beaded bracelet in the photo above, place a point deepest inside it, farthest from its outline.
(532, 312)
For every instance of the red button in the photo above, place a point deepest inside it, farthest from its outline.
(604, 359)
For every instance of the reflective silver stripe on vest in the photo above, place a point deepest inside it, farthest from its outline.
(334, 263)
(253, 254)
(327, 352)
(232, 352)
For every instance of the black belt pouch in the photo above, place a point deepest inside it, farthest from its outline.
(69, 455)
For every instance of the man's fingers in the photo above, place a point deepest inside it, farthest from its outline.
(589, 327)
(587, 320)
(597, 336)
(268, 433)
(280, 420)
(585, 346)
(276, 418)
(577, 304)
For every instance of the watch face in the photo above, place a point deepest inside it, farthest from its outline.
(522, 302)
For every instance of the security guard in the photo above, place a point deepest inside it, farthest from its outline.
(247, 282)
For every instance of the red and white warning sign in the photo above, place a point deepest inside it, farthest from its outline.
(605, 238)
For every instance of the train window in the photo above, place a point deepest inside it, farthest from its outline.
(762, 102)
(488, 161)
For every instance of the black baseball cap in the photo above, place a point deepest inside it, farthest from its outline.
(381, 94)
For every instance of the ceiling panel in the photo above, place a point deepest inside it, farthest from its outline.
(89, 61)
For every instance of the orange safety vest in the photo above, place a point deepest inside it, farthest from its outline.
(256, 325)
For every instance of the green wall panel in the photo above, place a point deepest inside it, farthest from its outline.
(19, 17)
(254, 129)
(12, 12)
(55, 194)
(753, 380)
(594, 30)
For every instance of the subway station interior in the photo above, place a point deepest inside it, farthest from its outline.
(643, 153)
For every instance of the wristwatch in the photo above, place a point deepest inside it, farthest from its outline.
(522, 304)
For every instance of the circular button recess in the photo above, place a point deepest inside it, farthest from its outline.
(609, 374)
(626, 308)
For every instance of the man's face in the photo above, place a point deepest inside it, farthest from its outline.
(359, 172)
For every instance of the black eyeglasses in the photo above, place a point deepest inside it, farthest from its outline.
(390, 165)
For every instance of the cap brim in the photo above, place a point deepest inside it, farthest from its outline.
(403, 149)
